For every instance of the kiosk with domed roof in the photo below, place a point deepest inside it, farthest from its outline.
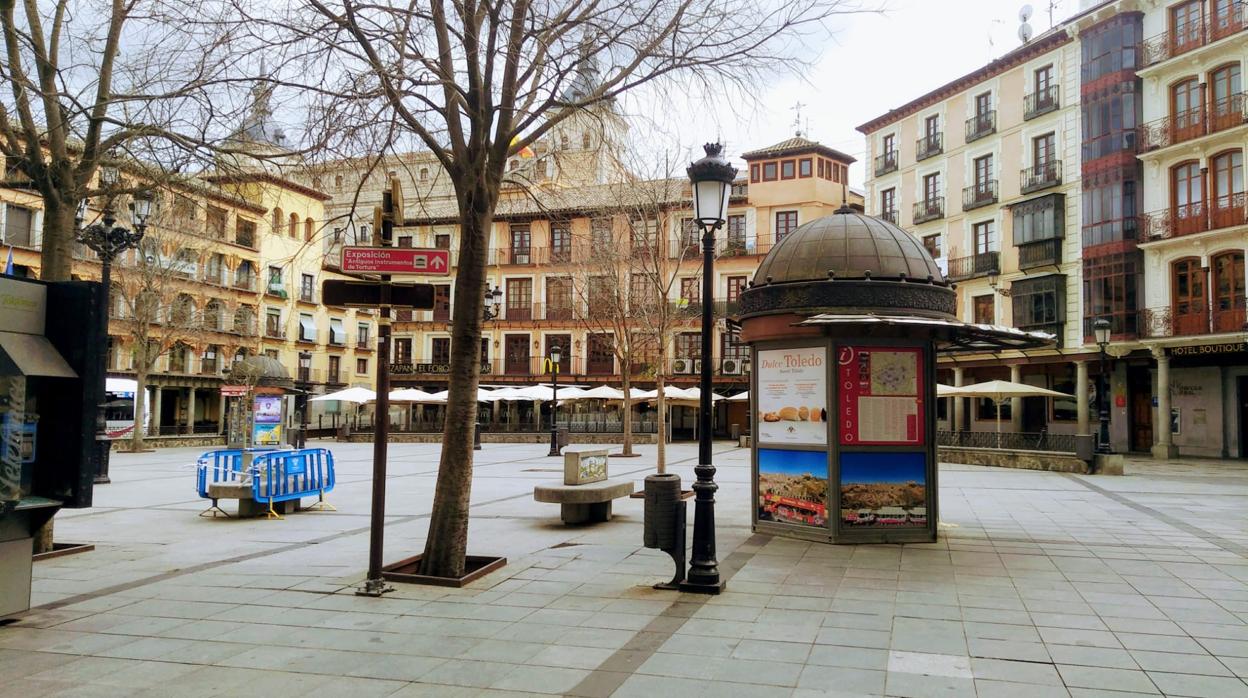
(845, 318)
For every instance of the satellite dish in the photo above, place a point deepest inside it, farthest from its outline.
(1024, 13)
(1024, 32)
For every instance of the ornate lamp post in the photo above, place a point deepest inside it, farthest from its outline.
(712, 179)
(556, 353)
(1101, 330)
(493, 298)
(109, 240)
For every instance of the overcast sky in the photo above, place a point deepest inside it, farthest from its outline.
(876, 63)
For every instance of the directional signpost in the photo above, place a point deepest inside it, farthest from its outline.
(396, 260)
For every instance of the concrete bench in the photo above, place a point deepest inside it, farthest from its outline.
(587, 503)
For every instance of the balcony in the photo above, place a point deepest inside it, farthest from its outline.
(890, 216)
(974, 266)
(1191, 219)
(307, 295)
(981, 125)
(209, 367)
(274, 332)
(1045, 253)
(364, 343)
(1041, 175)
(886, 163)
(929, 146)
(929, 210)
(1169, 44)
(1041, 102)
(1178, 128)
(1193, 318)
(979, 194)
(1228, 113)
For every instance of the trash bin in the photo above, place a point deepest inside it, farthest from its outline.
(562, 435)
(735, 431)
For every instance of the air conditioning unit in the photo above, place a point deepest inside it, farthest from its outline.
(746, 366)
(682, 366)
(731, 367)
(697, 366)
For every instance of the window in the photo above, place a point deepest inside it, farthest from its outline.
(1186, 189)
(442, 241)
(983, 105)
(983, 173)
(642, 292)
(1228, 181)
(985, 237)
(754, 173)
(1111, 289)
(485, 355)
(440, 350)
(787, 170)
(985, 309)
(308, 227)
(363, 238)
(278, 221)
(307, 288)
(931, 128)
(19, 226)
(564, 342)
(821, 169)
(1228, 291)
(424, 174)
(244, 232)
(1043, 80)
(184, 207)
(803, 167)
(273, 323)
(1189, 307)
(1039, 219)
(888, 204)
(600, 232)
(931, 243)
(558, 298)
(889, 144)
(405, 241)
(931, 188)
(338, 182)
(1186, 25)
(1039, 301)
(442, 303)
(585, 140)
(361, 367)
(1109, 209)
(292, 228)
(736, 284)
(1224, 85)
(337, 333)
(769, 171)
(516, 354)
(644, 234)
(691, 290)
(519, 299)
(335, 369)
(521, 244)
(601, 354)
(688, 345)
(731, 347)
(690, 236)
(1185, 107)
(307, 328)
(560, 242)
(361, 335)
(602, 294)
(1043, 151)
(736, 232)
(215, 226)
(786, 222)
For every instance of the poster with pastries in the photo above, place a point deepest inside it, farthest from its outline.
(792, 396)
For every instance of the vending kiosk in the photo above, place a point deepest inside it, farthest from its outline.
(50, 392)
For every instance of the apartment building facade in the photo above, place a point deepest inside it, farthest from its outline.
(1132, 210)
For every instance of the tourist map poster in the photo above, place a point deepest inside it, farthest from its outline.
(792, 396)
(881, 399)
(793, 487)
(883, 489)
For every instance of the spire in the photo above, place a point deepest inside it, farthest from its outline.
(258, 126)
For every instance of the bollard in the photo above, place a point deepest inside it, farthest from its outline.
(476, 436)
(664, 522)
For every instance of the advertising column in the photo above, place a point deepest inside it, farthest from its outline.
(791, 394)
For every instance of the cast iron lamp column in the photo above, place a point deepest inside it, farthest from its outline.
(1101, 330)
(489, 311)
(555, 354)
(712, 179)
(108, 240)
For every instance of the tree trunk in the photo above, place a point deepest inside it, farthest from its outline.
(140, 404)
(626, 420)
(57, 256)
(447, 542)
(661, 406)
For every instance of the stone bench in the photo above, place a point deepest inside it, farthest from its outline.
(587, 503)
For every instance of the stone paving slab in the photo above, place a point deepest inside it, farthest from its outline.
(1041, 584)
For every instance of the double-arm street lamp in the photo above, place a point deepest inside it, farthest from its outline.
(1101, 331)
(108, 240)
(712, 179)
(556, 353)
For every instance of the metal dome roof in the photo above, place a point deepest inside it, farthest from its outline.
(847, 245)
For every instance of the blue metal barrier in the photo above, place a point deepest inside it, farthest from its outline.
(224, 465)
(287, 475)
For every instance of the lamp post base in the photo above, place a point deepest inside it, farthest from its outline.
(103, 450)
(694, 587)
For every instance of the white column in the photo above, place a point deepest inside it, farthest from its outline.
(1016, 403)
(1163, 449)
(190, 411)
(958, 402)
(155, 403)
(1081, 396)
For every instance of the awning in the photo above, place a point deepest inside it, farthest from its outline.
(31, 355)
(950, 335)
(307, 328)
(337, 334)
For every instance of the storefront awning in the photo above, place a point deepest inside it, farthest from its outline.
(31, 355)
(307, 328)
(950, 335)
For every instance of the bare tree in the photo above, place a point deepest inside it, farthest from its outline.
(82, 83)
(479, 81)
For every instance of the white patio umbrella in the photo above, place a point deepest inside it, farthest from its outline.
(602, 392)
(739, 397)
(411, 395)
(943, 390)
(483, 395)
(998, 391)
(356, 395)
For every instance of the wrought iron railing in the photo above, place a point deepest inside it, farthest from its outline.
(1041, 102)
(1042, 253)
(1012, 441)
(1169, 44)
(1190, 219)
(975, 265)
(1042, 175)
(929, 209)
(886, 163)
(979, 194)
(1176, 128)
(929, 146)
(1193, 318)
(890, 216)
(981, 125)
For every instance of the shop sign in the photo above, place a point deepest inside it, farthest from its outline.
(1208, 349)
(233, 390)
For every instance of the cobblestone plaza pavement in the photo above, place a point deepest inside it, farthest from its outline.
(1041, 584)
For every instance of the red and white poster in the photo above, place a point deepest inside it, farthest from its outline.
(792, 396)
(881, 396)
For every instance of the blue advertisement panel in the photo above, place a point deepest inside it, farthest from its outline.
(267, 409)
(883, 489)
(267, 435)
(793, 487)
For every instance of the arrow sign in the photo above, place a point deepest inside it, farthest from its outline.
(396, 260)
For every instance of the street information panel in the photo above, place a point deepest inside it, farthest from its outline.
(396, 260)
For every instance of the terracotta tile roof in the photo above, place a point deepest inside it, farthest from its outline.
(795, 145)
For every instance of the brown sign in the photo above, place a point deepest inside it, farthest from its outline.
(367, 294)
(1208, 349)
(427, 369)
(233, 390)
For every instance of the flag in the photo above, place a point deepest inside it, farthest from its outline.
(8, 265)
(525, 152)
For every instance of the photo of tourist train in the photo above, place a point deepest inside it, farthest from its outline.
(793, 487)
(883, 489)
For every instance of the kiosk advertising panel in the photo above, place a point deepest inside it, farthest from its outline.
(793, 487)
(267, 420)
(881, 396)
(793, 396)
(884, 489)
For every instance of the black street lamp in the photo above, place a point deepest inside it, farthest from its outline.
(555, 355)
(1101, 330)
(712, 179)
(493, 298)
(108, 240)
